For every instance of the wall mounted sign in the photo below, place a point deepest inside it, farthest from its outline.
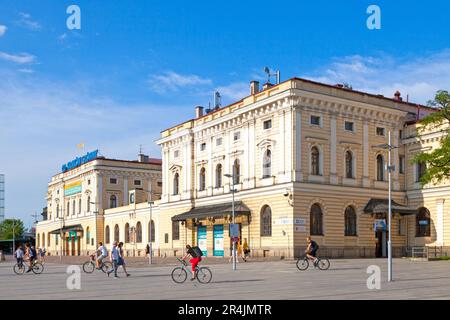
(78, 161)
(72, 188)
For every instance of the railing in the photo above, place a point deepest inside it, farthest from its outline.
(419, 252)
(428, 252)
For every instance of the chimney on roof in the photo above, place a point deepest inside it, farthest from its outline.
(198, 111)
(397, 96)
(254, 87)
(267, 85)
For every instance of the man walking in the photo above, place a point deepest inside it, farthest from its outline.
(114, 259)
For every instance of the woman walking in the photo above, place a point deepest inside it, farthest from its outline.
(245, 250)
(121, 259)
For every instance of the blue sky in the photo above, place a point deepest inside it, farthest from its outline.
(136, 68)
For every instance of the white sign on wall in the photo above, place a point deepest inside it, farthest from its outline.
(299, 221)
(300, 228)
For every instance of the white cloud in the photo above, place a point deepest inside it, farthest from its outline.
(419, 77)
(2, 30)
(172, 81)
(26, 70)
(235, 91)
(26, 21)
(22, 58)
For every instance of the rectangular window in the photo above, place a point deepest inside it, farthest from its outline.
(380, 131)
(349, 126)
(237, 136)
(175, 230)
(315, 120)
(401, 164)
(159, 184)
(137, 182)
(112, 180)
(267, 124)
(401, 227)
(166, 238)
(421, 167)
(218, 141)
(176, 154)
(400, 134)
(203, 146)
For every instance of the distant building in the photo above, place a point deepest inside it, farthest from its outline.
(2, 197)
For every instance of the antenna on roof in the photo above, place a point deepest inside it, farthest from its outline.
(269, 74)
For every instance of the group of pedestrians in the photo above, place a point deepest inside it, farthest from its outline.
(242, 250)
(116, 256)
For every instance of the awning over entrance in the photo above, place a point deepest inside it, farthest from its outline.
(76, 227)
(377, 206)
(214, 211)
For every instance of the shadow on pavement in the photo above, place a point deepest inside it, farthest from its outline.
(236, 281)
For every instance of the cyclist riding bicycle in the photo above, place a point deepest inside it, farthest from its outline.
(102, 253)
(196, 254)
(311, 250)
(31, 254)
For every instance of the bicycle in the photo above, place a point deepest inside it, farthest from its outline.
(90, 266)
(303, 263)
(36, 267)
(179, 274)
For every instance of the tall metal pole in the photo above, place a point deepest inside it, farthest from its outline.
(14, 236)
(390, 211)
(233, 216)
(150, 246)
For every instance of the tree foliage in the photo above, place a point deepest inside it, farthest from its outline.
(7, 226)
(437, 160)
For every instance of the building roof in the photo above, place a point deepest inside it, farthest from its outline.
(375, 206)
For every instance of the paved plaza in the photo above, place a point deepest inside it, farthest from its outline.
(346, 279)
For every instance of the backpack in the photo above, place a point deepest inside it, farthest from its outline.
(198, 251)
(314, 246)
(33, 251)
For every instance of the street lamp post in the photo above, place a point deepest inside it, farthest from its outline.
(390, 168)
(150, 246)
(61, 218)
(14, 235)
(232, 176)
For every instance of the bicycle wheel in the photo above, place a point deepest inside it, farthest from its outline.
(88, 267)
(302, 264)
(37, 268)
(204, 275)
(19, 269)
(106, 266)
(179, 275)
(323, 264)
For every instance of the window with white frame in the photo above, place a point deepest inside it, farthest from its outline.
(267, 164)
(236, 136)
(218, 142)
(349, 126)
(267, 124)
(315, 161)
(315, 120)
(203, 146)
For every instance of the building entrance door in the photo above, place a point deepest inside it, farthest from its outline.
(202, 239)
(381, 244)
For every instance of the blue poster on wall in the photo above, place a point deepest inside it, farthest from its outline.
(218, 241)
(201, 239)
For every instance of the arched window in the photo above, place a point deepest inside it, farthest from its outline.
(138, 232)
(88, 235)
(151, 230)
(219, 176)
(43, 239)
(132, 198)
(266, 222)
(350, 221)
(57, 210)
(88, 204)
(74, 212)
(79, 206)
(38, 240)
(116, 233)
(316, 220)
(113, 201)
(68, 209)
(380, 168)
(349, 165)
(423, 223)
(236, 171)
(202, 179)
(107, 235)
(176, 184)
(48, 239)
(127, 233)
(267, 164)
(315, 161)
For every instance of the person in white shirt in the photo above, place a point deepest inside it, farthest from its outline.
(115, 255)
(102, 253)
(19, 254)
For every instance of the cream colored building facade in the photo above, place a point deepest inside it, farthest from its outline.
(308, 159)
(78, 198)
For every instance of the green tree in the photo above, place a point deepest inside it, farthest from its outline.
(6, 229)
(438, 160)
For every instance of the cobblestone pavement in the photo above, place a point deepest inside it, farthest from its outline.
(346, 279)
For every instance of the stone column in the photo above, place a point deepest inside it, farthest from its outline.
(298, 146)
